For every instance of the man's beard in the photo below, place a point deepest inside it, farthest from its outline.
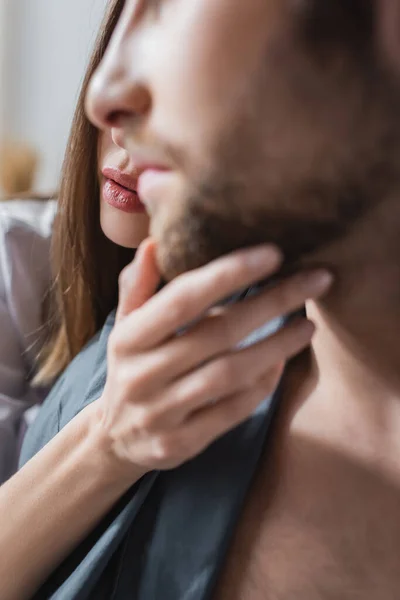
(221, 218)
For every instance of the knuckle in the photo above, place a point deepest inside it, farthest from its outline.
(161, 449)
(115, 344)
(179, 305)
(158, 419)
(124, 341)
(140, 377)
(144, 419)
(160, 362)
(195, 390)
(171, 448)
(226, 375)
(132, 382)
(123, 383)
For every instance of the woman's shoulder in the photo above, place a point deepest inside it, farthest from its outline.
(32, 216)
(25, 232)
(25, 271)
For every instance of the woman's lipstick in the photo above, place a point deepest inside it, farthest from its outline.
(119, 191)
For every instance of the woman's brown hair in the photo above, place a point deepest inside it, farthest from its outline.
(86, 265)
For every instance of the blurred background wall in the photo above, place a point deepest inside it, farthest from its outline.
(2, 64)
(44, 49)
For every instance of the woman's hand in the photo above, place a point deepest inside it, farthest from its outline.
(168, 396)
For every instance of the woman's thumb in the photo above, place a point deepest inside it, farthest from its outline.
(139, 280)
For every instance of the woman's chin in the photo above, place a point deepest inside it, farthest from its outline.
(126, 230)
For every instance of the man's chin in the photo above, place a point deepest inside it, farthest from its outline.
(199, 238)
(177, 255)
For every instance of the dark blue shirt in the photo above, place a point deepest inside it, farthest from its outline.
(167, 538)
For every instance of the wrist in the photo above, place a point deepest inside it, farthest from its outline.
(112, 469)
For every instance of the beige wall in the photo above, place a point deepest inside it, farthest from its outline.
(47, 45)
(2, 64)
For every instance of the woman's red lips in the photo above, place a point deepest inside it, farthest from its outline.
(119, 191)
(127, 181)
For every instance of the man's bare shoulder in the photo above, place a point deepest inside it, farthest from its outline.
(317, 525)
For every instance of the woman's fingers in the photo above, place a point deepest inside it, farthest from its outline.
(169, 396)
(189, 296)
(228, 374)
(174, 447)
(215, 421)
(139, 280)
(222, 332)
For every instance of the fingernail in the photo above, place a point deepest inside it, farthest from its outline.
(318, 282)
(264, 257)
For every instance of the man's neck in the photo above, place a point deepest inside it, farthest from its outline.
(352, 382)
(358, 322)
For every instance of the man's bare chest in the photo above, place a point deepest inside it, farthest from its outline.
(316, 527)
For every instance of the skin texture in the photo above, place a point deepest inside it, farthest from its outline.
(280, 120)
(286, 138)
(155, 411)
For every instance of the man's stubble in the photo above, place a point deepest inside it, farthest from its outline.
(311, 150)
